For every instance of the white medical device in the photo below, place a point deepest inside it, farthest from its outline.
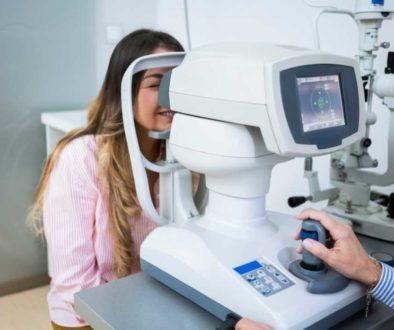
(351, 198)
(241, 109)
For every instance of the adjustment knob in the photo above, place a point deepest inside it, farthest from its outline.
(366, 142)
(295, 201)
(390, 63)
(390, 207)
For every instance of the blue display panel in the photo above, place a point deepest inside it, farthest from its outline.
(264, 277)
(320, 102)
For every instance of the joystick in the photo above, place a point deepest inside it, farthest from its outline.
(320, 277)
(313, 230)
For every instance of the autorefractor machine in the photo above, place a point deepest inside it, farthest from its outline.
(240, 109)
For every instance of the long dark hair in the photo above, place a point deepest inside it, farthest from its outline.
(105, 122)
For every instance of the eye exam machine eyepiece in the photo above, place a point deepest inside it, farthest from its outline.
(240, 109)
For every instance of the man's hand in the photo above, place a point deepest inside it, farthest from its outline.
(347, 256)
(246, 324)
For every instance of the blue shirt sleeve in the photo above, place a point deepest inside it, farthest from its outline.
(384, 290)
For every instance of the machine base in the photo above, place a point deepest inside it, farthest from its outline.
(221, 312)
(325, 281)
(243, 270)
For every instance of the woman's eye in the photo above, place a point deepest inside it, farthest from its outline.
(154, 86)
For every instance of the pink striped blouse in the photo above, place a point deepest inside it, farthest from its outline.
(77, 230)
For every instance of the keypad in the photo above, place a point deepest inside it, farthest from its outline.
(264, 277)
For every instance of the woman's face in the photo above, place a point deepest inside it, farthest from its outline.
(148, 112)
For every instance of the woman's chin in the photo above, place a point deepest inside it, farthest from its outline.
(162, 127)
(164, 124)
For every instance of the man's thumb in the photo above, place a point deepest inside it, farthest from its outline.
(316, 248)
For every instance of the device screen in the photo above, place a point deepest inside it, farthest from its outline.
(320, 102)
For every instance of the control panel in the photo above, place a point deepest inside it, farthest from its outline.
(264, 277)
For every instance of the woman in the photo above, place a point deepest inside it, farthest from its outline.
(86, 197)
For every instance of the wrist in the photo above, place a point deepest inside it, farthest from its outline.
(371, 273)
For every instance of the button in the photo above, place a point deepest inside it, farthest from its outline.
(265, 290)
(250, 277)
(268, 279)
(275, 286)
(257, 284)
(270, 269)
(309, 234)
(282, 279)
(260, 273)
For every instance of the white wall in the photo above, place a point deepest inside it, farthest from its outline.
(46, 63)
(285, 22)
(128, 15)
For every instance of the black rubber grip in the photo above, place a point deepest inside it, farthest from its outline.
(296, 201)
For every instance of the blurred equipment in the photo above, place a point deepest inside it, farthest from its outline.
(351, 198)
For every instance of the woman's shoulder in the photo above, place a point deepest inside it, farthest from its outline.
(80, 154)
(80, 148)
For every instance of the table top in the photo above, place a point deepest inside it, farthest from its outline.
(65, 121)
(140, 302)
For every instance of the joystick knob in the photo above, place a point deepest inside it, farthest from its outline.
(314, 230)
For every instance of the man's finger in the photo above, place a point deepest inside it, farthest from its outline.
(327, 222)
(297, 236)
(317, 249)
